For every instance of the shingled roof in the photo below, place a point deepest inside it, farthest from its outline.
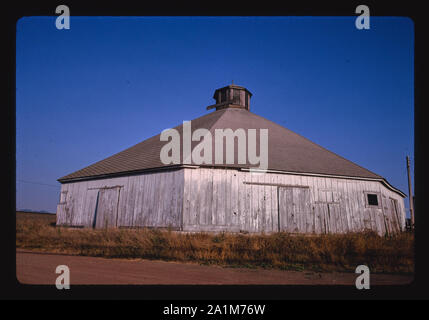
(287, 151)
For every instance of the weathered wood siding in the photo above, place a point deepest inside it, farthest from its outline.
(147, 200)
(231, 200)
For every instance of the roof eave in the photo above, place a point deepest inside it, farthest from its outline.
(124, 173)
(183, 166)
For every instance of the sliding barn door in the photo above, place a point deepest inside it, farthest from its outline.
(107, 208)
(295, 214)
(395, 214)
(328, 218)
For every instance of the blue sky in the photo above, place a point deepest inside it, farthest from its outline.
(110, 82)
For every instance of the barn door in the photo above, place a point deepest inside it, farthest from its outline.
(321, 217)
(395, 214)
(327, 218)
(390, 215)
(107, 208)
(294, 210)
(334, 212)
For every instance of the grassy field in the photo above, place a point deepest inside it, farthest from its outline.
(340, 253)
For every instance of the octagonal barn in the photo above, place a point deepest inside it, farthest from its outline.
(305, 189)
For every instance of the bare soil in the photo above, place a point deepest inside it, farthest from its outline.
(39, 268)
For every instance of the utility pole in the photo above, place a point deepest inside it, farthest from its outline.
(410, 191)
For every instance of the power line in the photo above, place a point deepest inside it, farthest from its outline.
(43, 184)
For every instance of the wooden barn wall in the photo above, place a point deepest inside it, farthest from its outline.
(152, 200)
(231, 200)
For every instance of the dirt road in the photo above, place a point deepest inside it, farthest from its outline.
(39, 268)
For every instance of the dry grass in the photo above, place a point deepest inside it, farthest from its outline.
(280, 250)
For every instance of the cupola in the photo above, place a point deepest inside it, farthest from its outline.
(231, 96)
